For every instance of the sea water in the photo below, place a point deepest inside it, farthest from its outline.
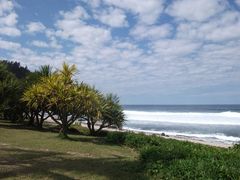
(205, 122)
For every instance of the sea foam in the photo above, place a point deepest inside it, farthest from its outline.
(221, 118)
(215, 137)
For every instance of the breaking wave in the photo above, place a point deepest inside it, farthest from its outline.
(221, 118)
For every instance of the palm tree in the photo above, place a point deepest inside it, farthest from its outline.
(45, 71)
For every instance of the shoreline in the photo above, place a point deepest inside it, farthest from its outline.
(209, 142)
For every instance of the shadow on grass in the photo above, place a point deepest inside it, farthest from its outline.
(16, 162)
(47, 127)
(24, 125)
(73, 135)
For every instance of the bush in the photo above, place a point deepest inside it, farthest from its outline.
(236, 146)
(141, 140)
(116, 137)
(162, 153)
(81, 130)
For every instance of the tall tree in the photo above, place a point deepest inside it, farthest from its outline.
(58, 95)
(10, 93)
(36, 110)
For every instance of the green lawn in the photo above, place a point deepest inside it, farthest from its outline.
(31, 154)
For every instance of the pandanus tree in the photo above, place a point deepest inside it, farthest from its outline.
(37, 105)
(102, 111)
(36, 110)
(58, 95)
(66, 101)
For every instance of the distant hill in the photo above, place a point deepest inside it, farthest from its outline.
(16, 68)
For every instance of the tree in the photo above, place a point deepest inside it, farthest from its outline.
(66, 101)
(36, 110)
(105, 112)
(58, 95)
(37, 105)
(10, 92)
(16, 68)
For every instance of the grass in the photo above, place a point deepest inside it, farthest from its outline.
(27, 153)
(31, 154)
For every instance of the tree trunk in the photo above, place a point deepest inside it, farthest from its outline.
(40, 124)
(31, 118)
(63, 132)
(64, 128)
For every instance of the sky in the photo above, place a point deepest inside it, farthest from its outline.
(146, 51)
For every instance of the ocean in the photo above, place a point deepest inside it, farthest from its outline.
(204, 122)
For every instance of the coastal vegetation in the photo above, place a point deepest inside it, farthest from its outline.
(36, 106)
(45, 94)
(163, 158)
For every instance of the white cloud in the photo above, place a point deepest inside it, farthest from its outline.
(238, 2)
(147, 11)
(5, 6)
(204, 50)
(93, 3)
(175, 47)
(34, 27)
(9, 31)
(113, 17)
(153, 32)
(77, 13)
(8, 19)
(200, 10)
(8, 45)
(72, 27)
(40, 44)
(222, 28)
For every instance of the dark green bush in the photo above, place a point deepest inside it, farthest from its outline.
(236, 146)
(141, 140)
(116, 137)
(162, 153)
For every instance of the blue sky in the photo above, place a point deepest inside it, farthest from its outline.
(148, 52)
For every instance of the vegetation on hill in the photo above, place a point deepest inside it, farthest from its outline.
(15, 67)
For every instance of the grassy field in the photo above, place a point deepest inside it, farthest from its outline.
(27, 153)
(31, 154)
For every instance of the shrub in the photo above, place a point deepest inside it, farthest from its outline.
(236, 146)
(141, 140)
(116, 137)
(162, 153)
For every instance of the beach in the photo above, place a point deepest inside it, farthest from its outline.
(210, 142)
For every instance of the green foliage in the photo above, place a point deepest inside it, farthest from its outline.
(65, 101)
(171, 159)
(141, 140)
(16, 69)
(112, 111)
(236, 146)
(57, 95)
(105, 111)
(10, 93)
(162, 153)
(116, 137)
